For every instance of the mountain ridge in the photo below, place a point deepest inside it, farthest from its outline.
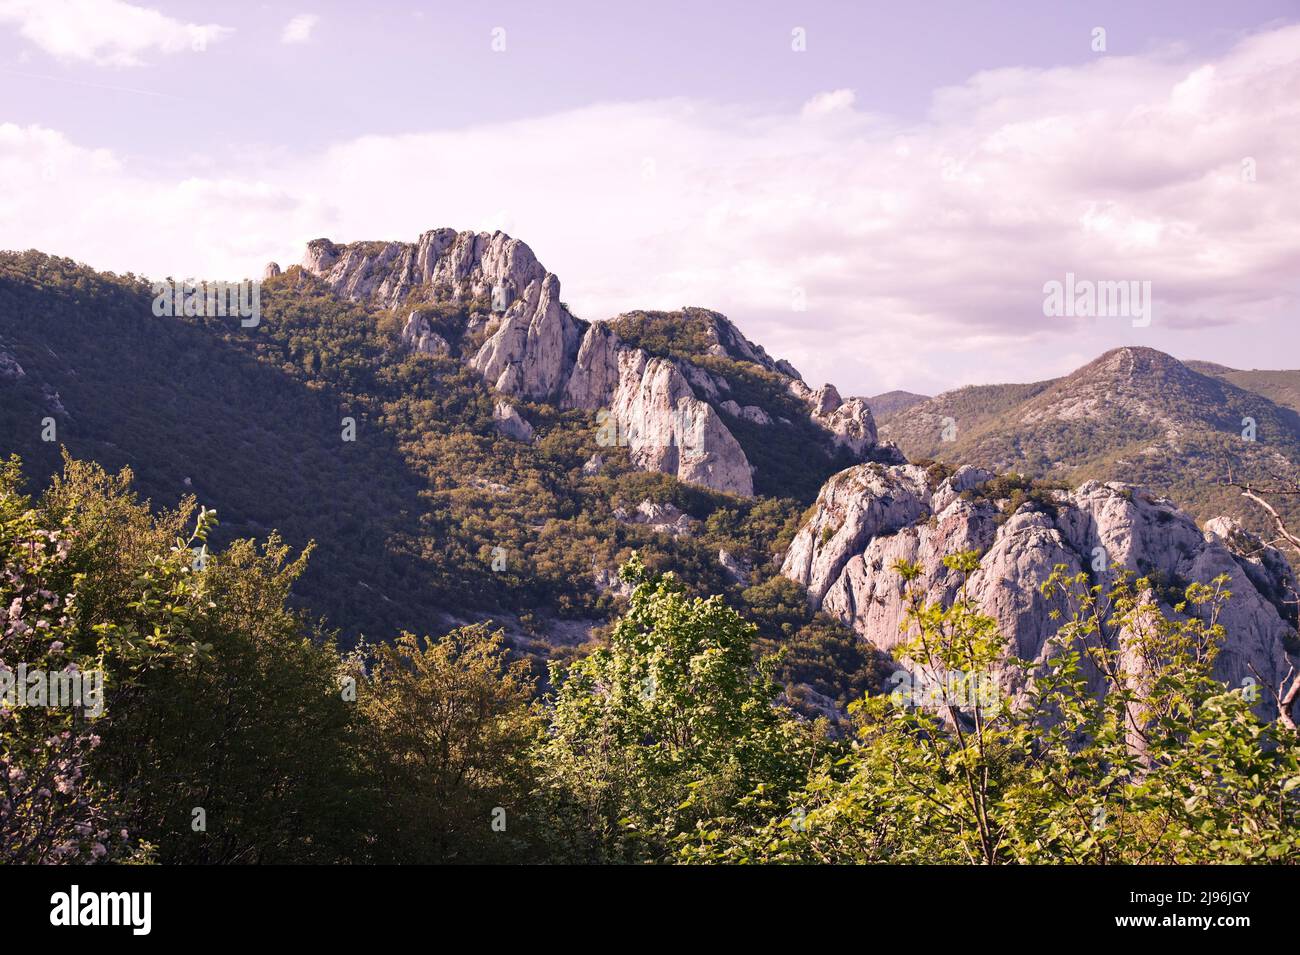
(1133, 414)
(483, 483)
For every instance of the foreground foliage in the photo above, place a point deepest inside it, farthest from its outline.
(232, 729)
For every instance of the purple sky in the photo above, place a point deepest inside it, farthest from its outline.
(915, 176)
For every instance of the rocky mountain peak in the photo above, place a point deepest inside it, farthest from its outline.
(1135, 381)
(659, 388)
(1137, 364)
(442, 263)
(728, 342)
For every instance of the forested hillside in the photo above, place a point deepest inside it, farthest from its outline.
(431, 517)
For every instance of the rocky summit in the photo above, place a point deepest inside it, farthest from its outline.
(536, 349)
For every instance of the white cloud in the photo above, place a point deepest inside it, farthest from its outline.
(922, 249)
(836, 101)
(299, 29)
(104, 32)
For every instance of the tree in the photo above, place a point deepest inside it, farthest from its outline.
(668, 726)
(222, 738)
(1120, 747)
(450, 726)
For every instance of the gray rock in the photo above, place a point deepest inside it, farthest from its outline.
(442, 263)
(533, 351)
(735, 568)
(418, 335)
(849, 424)
(870, 516)
(510, 423)
(271, 271)
(656, 414)
(10, 370)
(666, 518)
(749, 412)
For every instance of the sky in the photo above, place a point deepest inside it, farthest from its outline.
(880, 193)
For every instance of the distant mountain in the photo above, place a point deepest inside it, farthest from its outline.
(1280, 387)
(1134, 414)
(886, 405)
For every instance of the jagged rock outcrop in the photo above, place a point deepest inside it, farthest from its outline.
(655, 413)
(726, 341)
(869, 517)
(533, 350)
(663, 408)
(1265, 565)
(9, 368)
(848, 423)
(736, 569)
(667, 518)
(510, 423)
(668, 429)
(601, 365)
(441, 263)
(271, 271)
(749, 412)
(419, 336)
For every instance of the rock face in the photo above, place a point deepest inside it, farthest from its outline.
(655, 413)
(510, 423)
(667, 518)
(534, 348)
(868, 517)
(749, 412)
(271, 271)
(727, 342)
(442, 262)
(736, 569)
(10, 370)
(662, 409)
(668, 429)
(848, 423)
(419, 336)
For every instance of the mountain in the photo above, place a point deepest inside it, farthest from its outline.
(461, 447)
(1134, 415)
(669, 382)
(1281, 387)
(457, 444)
(885, 406)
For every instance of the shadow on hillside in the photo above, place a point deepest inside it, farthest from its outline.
(189, 412)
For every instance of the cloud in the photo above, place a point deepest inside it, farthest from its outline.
(299, 29)
(836, 101)
(104, 32)
(921, 249)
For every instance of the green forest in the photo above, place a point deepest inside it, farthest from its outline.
(233, 730)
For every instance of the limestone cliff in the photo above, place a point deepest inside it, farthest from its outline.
(869, 517)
